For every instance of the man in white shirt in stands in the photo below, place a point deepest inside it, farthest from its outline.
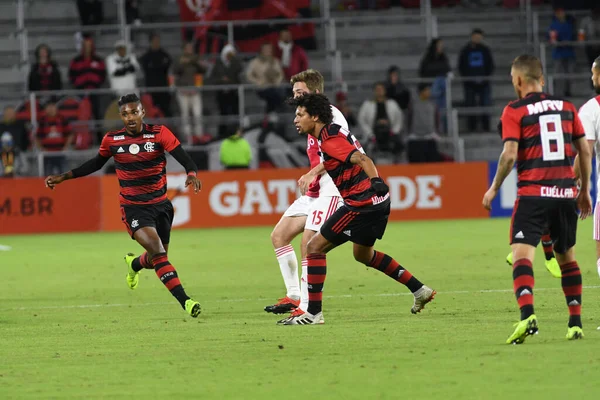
(320, 198)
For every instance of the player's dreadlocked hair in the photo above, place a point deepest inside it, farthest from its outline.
(316, 104)
(128, 98)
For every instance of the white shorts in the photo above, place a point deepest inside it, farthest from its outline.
(320, 210)
(597, 221)
(299, 207)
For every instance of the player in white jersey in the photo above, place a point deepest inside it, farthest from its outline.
(320, 198)
(589, 114)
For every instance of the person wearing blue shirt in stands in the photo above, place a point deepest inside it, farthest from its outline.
(562, 29)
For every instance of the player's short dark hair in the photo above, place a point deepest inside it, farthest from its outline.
(531, 66)
(378, 83)
(312, 79)
(316, 104)
(128, 98)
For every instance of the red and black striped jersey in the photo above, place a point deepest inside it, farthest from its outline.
(337, 146)
(140, 162)
(53, 132)
(545, 127)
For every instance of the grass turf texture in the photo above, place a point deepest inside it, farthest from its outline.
(70, 327)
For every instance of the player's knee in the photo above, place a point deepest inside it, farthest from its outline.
(276, 239)
(314, 247)
(362, 256)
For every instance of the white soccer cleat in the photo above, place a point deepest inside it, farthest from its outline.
(304, 319)
(422, 297)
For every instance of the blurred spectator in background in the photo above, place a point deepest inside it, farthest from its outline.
(188, 71)
(122, 68)
(235, 152)
(341, 99)
(381, 121)
(90, 12)
(16, 128)
(156, 63)
(88, 71)
(396, 90)
(475, 60)
(435, 62)
(53, 134)
(132, 12)
(227, 71)
(265, 71)
(44, 73)
(424, 128)
(435, 66)
(292, 57)
(562, 29)
(589, 31)
(7, 155)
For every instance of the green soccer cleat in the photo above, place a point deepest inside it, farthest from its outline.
(192, 307)
(574, 333)
(523, 329)
(553, 267)
(133, 277)
(509, 259)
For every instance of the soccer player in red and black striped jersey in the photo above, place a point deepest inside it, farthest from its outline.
(363, 217)
(539, 131)
(139, 153)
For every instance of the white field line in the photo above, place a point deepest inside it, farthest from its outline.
(342, 296)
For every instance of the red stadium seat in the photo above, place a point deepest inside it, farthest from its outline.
(151, 110)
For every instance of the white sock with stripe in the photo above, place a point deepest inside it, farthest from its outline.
(288, 264)
(304, 286)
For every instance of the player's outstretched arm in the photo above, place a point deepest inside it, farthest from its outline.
(191, 169)
(88, 167)
(368, 166)
(505, 165)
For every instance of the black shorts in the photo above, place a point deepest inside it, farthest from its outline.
(158, 216)
(360, 226)
(533, 217)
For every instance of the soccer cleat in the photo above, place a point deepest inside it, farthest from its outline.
(295, 313)
(133, 277)
(574, 333)
(192, 307)
(422, 296)
(509, 259)
(523, 329)
(304, 319)
(553, 267)
(283, 306)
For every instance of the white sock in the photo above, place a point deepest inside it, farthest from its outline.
(304, 286)
(288, 264)
(598, 265)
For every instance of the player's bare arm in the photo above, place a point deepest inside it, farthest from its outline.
(88, 167)
(186, 162)
(368, 166)
(576, 168)
(584, 153)
(307, 178)
(505, 165)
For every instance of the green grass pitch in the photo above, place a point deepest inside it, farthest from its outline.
(70, 327)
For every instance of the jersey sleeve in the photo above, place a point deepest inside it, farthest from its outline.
(338, 147)
(578, 129)
(510, 125)
(312, 151)
(167, 139)
(588, 116)
(104, 149)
